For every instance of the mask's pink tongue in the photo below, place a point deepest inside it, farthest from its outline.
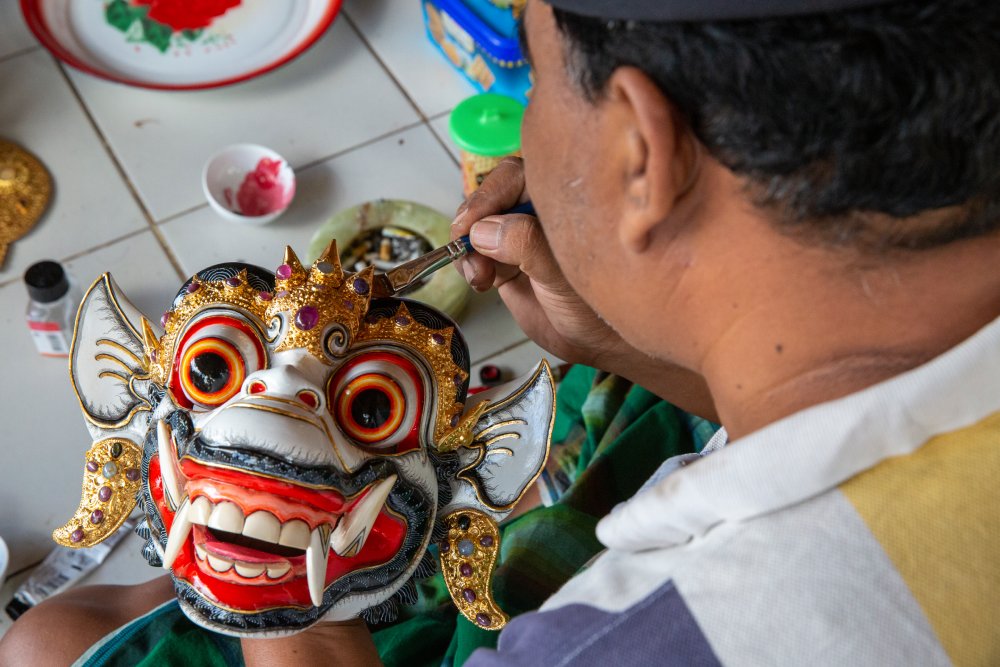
(243, 554)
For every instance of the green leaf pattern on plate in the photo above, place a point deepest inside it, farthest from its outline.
(138, 27)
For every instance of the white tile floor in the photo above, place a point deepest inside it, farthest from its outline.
(361, 115)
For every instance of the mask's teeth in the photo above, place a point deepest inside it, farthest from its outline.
(316, 558)
(168, 463)
(179, 531)
(353, 530)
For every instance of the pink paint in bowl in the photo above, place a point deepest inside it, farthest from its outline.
(248, 183)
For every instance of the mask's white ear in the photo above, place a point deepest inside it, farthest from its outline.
(509, 444)
(107, 359)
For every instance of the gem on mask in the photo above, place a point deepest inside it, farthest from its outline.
(109, 470)
(281, 294)
(193, 287)
(164, 318)
(469, 594)
(445, 547)
(104, 493)
(284, 272)
(455, 419)
(152, 355)
(92, 466)
(464, 522)
(265, 296)
(437, 339)
(484, 620)
(116, 449)
(96, 517)
(132, 474)
(349, 305)
(360, 285)
(466, 548)
(76, 535)
(324, 267)
(402, 320)
(306, 318)
(233, 281)
(486, 540)
(372, 318)
(465, 569)
(458, 380)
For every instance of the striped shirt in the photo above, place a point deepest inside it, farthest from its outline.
(863, 531)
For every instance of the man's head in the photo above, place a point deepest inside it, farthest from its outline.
(873, 129)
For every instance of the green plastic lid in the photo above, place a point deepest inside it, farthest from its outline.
(487, 124)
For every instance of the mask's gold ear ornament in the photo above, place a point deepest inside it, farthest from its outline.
(468, 556)
(111, 479)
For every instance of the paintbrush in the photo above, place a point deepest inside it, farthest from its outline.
(407, 274)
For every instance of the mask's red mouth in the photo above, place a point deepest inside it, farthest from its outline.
(249, 542)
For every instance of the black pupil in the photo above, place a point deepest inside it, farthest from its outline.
(209, 372)
(371, 408)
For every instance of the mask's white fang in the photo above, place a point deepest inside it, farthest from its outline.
(352, 531)
(316, 558)
(179, 532)
(168, 463)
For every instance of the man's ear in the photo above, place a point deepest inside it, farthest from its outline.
(660, 157)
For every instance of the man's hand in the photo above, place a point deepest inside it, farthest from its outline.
(514, 256)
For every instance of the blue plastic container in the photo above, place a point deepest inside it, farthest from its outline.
(491, 61)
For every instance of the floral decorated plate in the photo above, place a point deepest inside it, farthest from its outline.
(178, 44)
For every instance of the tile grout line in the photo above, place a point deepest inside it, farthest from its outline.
(19, 52)
(150, 223)
(503, 350)
(424, 118)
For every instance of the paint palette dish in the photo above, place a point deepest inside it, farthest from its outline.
(248, 183)
(178, 44)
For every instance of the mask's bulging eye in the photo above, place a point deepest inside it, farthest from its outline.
(377, 399)
(214, 357)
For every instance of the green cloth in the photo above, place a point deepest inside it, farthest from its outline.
(609, 436)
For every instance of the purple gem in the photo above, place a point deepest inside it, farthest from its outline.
(483, 620)
(152, 355)
(233, 281)
(457, 380)
(486, 540)
(265, 296)
(469, 594)
(76, 535)
(132, 474)
(402, 321)
(445, 547)
(281, 294)
(349, 305)
(306, 318)
(437, 338)
(372, 319)
(284, 272)
(164, 318)
(360, 286)
(92, 466)
(455, 419)
(193, 287)
(465, 569)
(96, 517)
(104, 493)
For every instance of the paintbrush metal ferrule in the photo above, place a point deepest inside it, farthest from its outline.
(409, 273)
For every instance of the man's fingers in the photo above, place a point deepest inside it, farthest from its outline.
(501, 190)
(517, 241)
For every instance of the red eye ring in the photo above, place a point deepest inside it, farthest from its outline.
(234, 362)
(356, 387)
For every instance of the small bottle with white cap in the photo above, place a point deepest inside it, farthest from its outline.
(53, 300)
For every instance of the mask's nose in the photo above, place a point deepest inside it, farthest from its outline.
(288, 383)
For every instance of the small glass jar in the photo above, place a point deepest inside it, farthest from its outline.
(53, 299)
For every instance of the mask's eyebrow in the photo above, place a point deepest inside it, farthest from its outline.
(522, 36)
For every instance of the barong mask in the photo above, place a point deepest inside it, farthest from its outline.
(296, 446)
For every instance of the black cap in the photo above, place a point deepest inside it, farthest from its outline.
(46, 281)
(706, 10)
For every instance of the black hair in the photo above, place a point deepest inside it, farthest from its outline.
(845, 124)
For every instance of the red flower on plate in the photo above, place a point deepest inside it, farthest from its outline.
(187, 14)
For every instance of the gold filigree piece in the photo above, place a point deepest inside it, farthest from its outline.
(468, 556)
(25, 192)
(462, 435)
(111, 480)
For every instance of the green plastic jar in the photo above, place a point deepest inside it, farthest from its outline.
(486, 128)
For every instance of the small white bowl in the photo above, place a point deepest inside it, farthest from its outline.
(248, 183)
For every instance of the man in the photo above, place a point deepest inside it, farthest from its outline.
(781, 214)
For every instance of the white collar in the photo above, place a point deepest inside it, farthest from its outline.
(814, 450)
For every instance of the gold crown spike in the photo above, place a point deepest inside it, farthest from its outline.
(326, 269)
(150, 344)
(434, 345)
(290, 274)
